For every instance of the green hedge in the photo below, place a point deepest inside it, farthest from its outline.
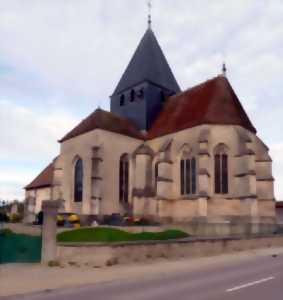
(102, 234)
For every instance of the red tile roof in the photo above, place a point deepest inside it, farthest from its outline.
(44, 179)
(101, 119)
(212, 102)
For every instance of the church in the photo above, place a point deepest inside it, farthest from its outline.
(163, 154)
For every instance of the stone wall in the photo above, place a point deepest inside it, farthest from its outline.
(107, 147)
(39, 195)
(154, 176)
(123, 253)
(279, 215)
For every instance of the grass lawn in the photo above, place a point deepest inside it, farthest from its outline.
(103, 234)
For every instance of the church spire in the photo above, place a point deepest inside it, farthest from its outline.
(149, 13)
(148, 64)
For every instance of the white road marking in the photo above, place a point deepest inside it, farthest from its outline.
(249, 284)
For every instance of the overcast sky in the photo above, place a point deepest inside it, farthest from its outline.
(60, 59)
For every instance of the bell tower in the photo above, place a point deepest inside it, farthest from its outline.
(145, 85)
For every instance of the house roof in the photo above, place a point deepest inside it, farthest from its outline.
(212, 102)
(148, 64)
(101, 119)
(279, 204)
(44, 179)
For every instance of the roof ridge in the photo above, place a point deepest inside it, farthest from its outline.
(106, 120)
(210, 102)
(38, 181)
(197, 86)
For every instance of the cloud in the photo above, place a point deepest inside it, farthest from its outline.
(276, 151)
(28, 135)
(11, 191)
(12, 182)
(28, 143)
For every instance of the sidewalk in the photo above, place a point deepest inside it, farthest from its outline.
(27, 278)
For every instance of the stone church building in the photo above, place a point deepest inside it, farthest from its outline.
(168, 155)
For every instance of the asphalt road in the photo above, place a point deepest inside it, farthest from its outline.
(259, 278)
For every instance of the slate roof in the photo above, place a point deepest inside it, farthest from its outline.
(44, 179)
(101, 119)
(212, 102)
(148, 64)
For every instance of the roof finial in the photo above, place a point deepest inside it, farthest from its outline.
(149, 13)
(224, 69)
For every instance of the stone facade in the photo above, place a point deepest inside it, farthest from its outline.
(279, 212)
(250, 197)
(250, 193)
(35, 197)
(136, 161)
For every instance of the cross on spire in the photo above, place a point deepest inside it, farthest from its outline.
(149, 13)
(224, 69)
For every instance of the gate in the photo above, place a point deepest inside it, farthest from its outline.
(19, 248)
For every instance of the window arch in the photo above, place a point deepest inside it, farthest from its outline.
(141, 93)
(124, 179)
(78, 181)
(188, 174)
(122, 100)
(221, 183)
(155, 174)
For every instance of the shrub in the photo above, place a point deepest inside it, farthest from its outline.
(4, 217)
(6, 232)
(15, 218)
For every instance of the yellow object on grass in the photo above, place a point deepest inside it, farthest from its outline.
(60, 218)
(77, 225)
(73, 218)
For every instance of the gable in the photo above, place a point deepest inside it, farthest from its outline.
(108, 121)
(212, 102)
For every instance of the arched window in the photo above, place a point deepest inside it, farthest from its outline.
(122, 100)
(188, 175)
(124, 179)
(141, 93)
(133, 94)
(78, 184)
(155, 174)
(221, 169)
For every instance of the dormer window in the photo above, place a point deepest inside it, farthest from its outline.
(141, 93)
(133, 94)
(122, 100)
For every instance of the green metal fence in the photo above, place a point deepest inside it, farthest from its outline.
(16, 248)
